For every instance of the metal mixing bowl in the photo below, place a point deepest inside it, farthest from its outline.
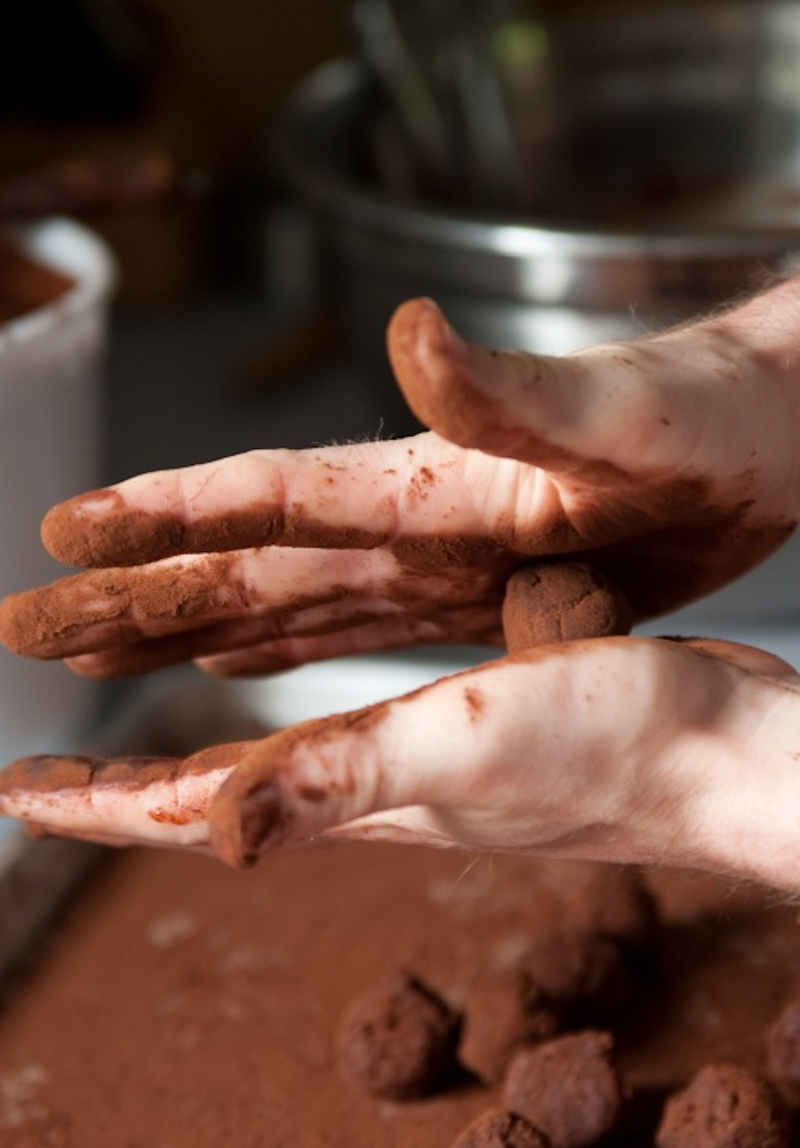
(662, 164)
(663, 167)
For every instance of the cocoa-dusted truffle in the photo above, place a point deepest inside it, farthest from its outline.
(398, 1040)
(568, 1087)
(586, 974)
(783, 1050)
(503, 1011)
(560, 602)
(499, 1128)
(724, 1106)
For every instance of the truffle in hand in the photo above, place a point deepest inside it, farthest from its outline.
(561, 602)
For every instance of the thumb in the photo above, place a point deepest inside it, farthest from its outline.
(402, 760)
(598, 407)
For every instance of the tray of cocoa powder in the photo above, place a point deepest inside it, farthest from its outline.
(373, 994)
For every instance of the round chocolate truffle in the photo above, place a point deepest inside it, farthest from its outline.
(725, 1106)
(502, 1012)
(561, 602)
(499, 1128)
(586, 974)
(398, 1040)
(569, 1088)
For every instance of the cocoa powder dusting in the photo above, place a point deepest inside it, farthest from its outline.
(227, 980)
(253, 810)
(103, 608)
(122, 536)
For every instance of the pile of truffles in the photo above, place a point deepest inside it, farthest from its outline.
(542, 1034)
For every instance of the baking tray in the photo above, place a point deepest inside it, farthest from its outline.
(176, 713)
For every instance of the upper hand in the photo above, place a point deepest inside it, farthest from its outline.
(671, 463)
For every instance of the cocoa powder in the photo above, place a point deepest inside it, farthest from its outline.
(25, 283)
(121, 536)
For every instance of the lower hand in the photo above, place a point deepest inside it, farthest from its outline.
(623, 749)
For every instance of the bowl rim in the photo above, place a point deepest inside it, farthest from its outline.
(341, 196)
(75, 250)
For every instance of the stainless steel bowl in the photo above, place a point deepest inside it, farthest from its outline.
(663, 162)
(661, 156)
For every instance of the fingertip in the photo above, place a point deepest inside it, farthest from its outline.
(251, 813)
(68, 533)
(430, 362)
(460, 389)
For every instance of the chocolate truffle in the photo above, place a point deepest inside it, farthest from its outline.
(499, 1128)
(502, 1012)
(561, 602)
(398, 1040)
(569, 1088)
(724, 1106)
(783, 1050)
(586, 974)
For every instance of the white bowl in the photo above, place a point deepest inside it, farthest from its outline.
(51, 442)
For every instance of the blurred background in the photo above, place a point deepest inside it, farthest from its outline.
(270, 181)
(282, 176)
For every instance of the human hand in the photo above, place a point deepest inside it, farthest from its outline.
(670, 463)
(624, 749)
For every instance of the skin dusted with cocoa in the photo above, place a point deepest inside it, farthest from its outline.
(135, 537)
(258, 807)
(660, 512)
(119, 801)
(669, 465)
(484, 761)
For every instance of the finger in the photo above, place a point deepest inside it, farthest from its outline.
(120, 801)
(686, 401)
(259, 592)
(352, 497)
(287, 653)
(254, 657)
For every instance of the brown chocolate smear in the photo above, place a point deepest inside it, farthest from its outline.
(101, 609)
